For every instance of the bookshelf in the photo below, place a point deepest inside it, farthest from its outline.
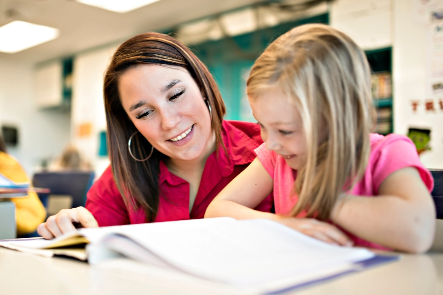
(380, 61)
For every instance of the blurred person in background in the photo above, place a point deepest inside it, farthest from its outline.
(29, 210)
(70, 159)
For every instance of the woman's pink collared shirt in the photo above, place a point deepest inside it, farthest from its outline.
(105, 202)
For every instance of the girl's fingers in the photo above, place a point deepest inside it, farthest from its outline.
(322, 237)
(319, 230)
(337, 235)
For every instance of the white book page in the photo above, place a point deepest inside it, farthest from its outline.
(244, 252)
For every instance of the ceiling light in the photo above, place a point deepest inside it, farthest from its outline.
(118, 5)
(18, 35)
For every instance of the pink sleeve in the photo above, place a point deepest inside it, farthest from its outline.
(394, 153)
(267, 158)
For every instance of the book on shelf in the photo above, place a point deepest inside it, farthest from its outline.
(381, 85)
(384, 120)
(17, 189)
(6, 183)
(256, 255)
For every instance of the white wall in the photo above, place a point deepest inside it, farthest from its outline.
(367, 22)
(397, 23)
(87, 105)
(42, 133)
(410, 74)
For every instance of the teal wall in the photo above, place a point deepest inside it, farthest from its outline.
(230, 60)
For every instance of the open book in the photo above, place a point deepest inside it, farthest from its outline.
(258, 254)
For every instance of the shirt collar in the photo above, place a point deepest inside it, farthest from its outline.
(239, 147)
(239, 151)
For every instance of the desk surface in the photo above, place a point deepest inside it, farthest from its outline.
(26, 274)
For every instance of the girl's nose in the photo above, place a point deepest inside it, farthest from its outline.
(272, 143)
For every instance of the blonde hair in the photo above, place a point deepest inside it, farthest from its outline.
(327, 78)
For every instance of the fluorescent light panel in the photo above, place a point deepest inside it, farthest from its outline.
(18, 35)
(120, 6)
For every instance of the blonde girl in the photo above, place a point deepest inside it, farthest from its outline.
(331, 178)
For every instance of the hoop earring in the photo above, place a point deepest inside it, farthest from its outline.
(130, 152)
(209, 106)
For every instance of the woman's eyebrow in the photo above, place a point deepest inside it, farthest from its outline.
(170, 85)
(166, 88)
(137, 105)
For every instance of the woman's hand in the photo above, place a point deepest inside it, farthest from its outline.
(62, 222)
(317, 229)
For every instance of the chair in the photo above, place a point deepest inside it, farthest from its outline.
(73, 183)
(437, 192)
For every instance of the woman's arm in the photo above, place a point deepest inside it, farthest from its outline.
(249, 188)
(401, 217)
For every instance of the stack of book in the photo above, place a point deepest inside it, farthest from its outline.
(11, 189)
(381, 85)
(384, 120)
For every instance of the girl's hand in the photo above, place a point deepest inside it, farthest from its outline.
(318, 230)
(63, 222)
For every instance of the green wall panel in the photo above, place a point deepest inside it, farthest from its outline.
(230, 60)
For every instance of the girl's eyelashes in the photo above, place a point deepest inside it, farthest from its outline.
(284, 132)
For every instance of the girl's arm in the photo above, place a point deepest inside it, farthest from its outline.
(401, 217)
(246, 191)
(251, 187)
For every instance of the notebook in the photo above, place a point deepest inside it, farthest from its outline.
(255, 255)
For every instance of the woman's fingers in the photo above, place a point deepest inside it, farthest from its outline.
(84, 217)
(62, 222)
(51, 225)
(44, 232)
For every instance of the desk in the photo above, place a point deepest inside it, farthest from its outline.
(24, 274)
(8, 228)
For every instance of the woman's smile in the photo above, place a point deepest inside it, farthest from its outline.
(183, 138)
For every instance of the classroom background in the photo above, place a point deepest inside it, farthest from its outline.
(51, 94)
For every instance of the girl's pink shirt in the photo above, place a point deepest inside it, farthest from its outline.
(388, 154)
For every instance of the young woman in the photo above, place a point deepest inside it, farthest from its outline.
(171, 151)
(331, 178)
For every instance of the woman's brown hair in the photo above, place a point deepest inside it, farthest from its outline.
(138, 181)
(327, 78)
